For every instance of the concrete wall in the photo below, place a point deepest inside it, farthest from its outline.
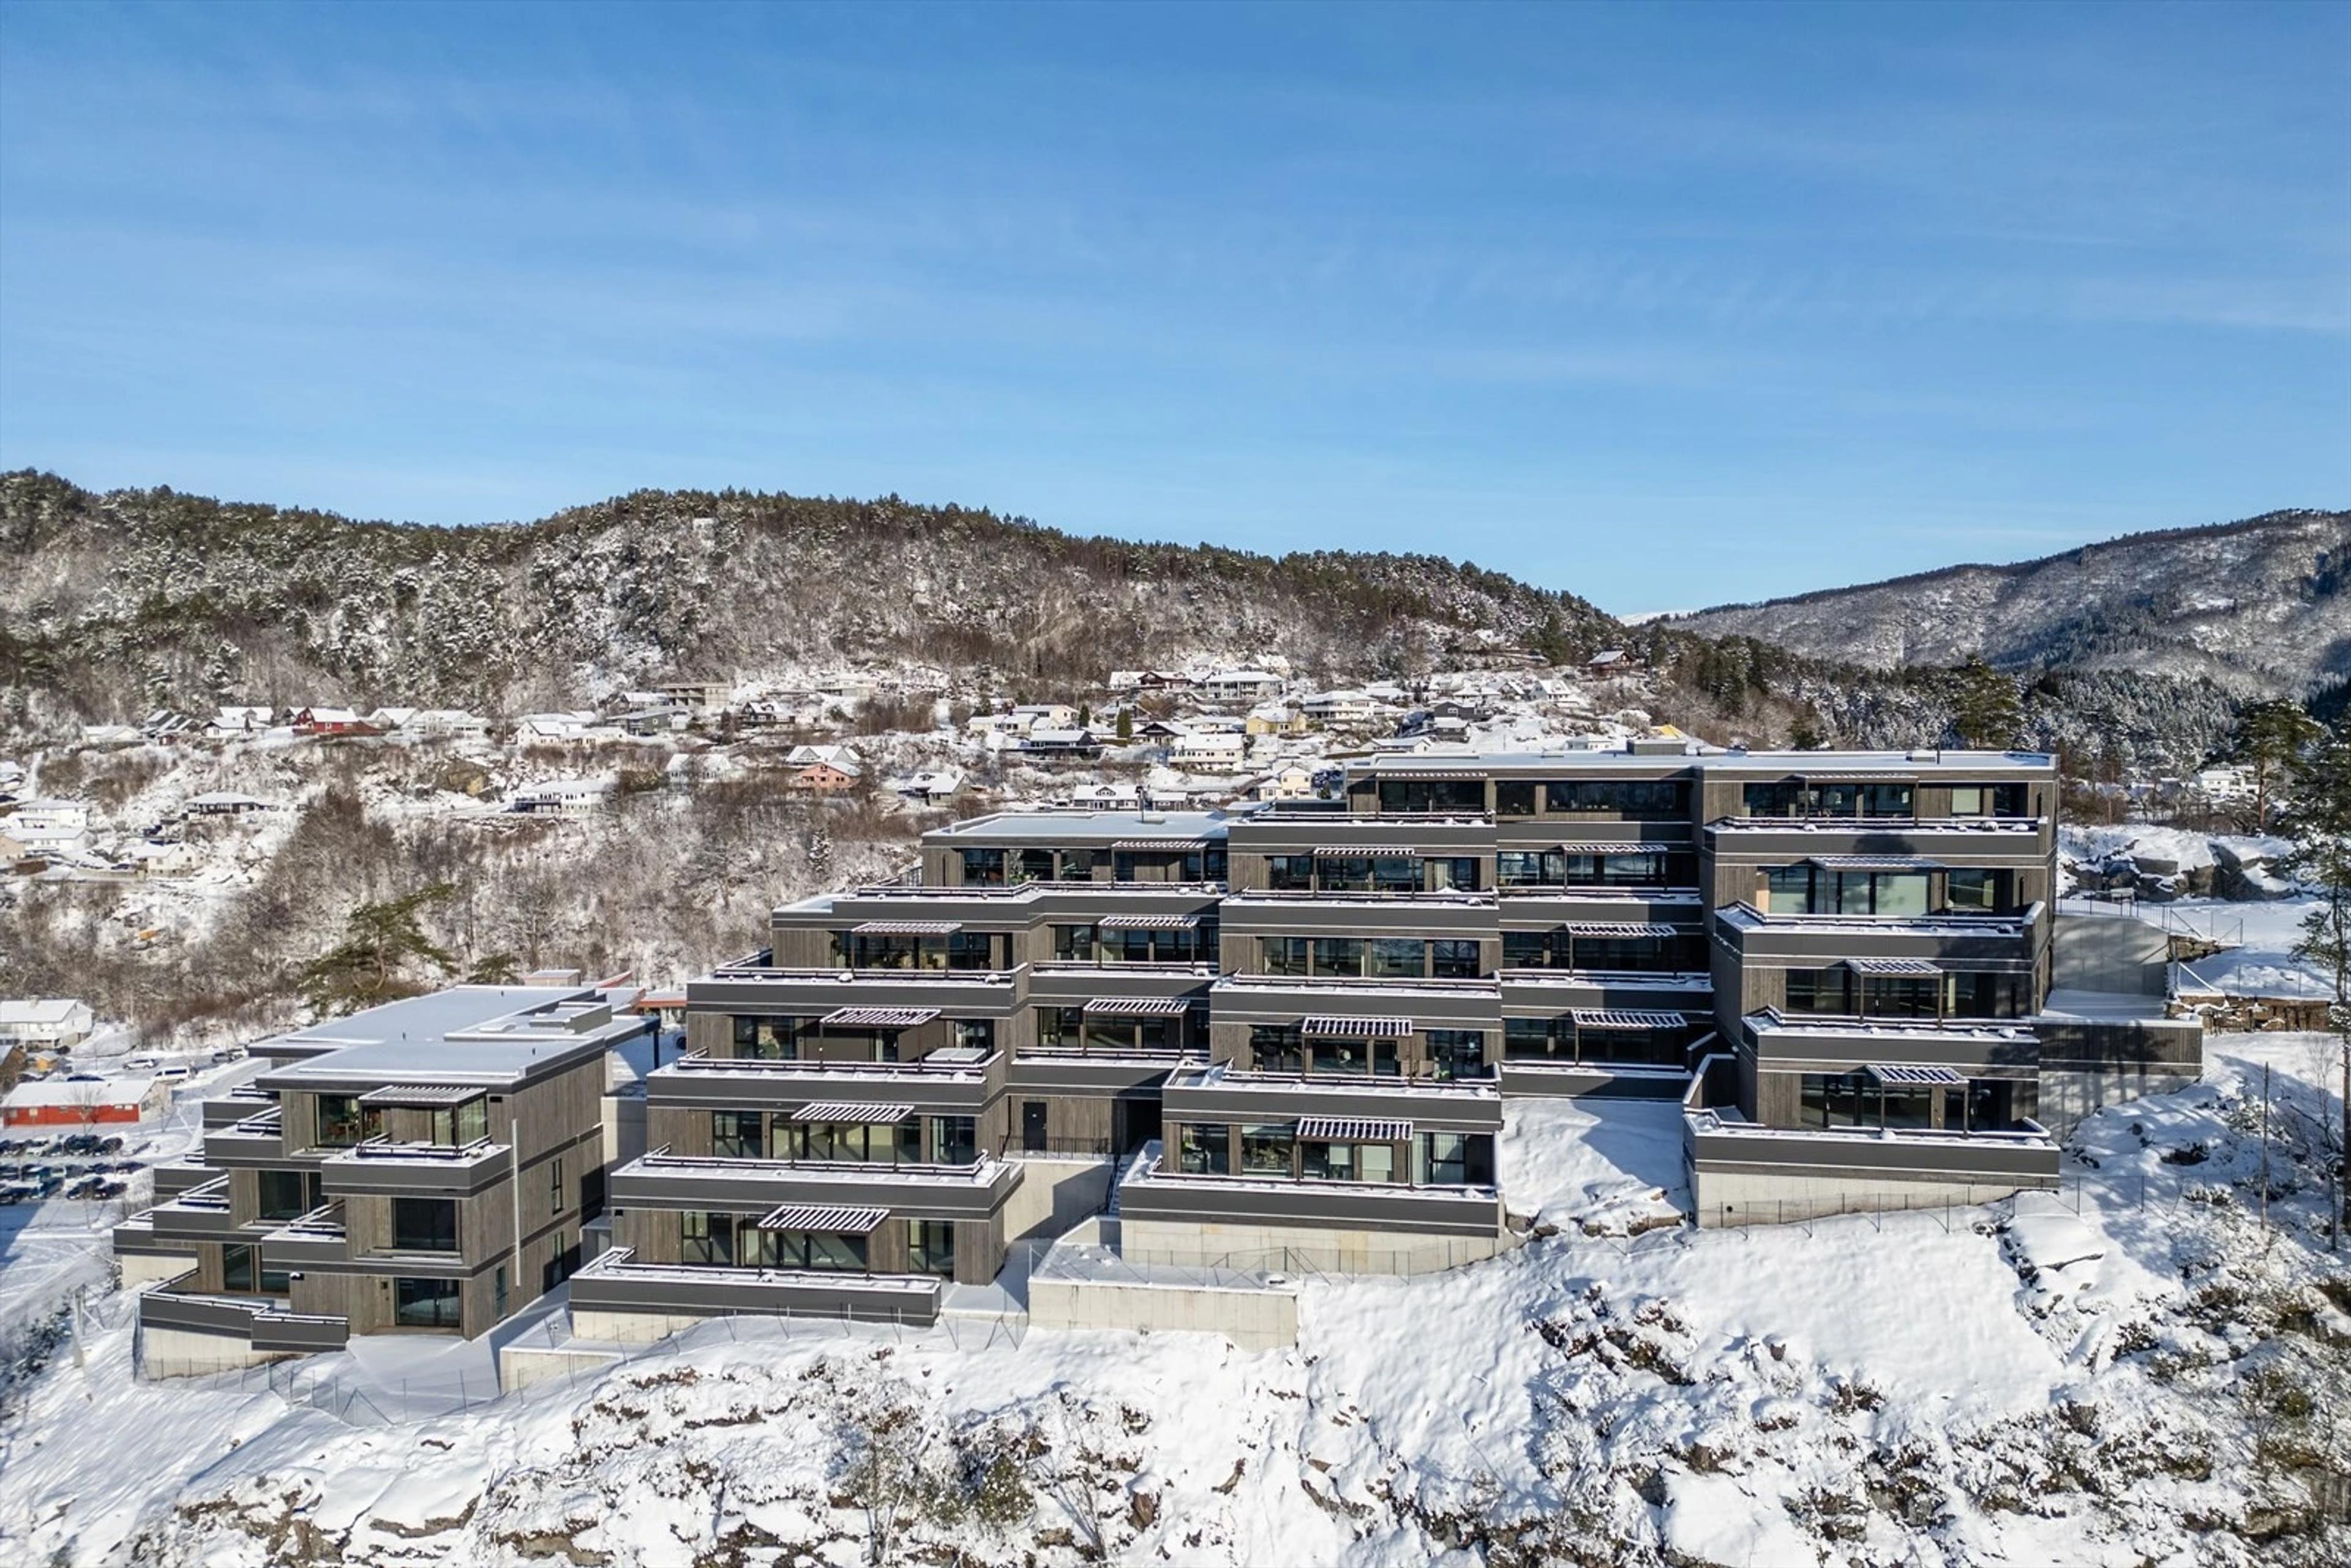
(1198, 1244)
(1055, 1194)
(1751, 1197)
(2067, 1096)
(149, 1267)
(2109, 953)
(184, 1353)
(1252, 1320)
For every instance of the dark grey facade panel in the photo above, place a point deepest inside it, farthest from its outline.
(1208, 1200)
(1246, 1099)
(717, 1293)
(742, 1190)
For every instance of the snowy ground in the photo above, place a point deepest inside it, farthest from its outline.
(2139, 1370)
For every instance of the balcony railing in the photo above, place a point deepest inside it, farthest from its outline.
(921, 1067)
(1883, 824)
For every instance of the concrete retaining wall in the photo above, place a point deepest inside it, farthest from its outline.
(1746, 1198)
(519, 1367)
(183, 1352)
(1055, 1194)
(630, 1328)
(2109, 953)
(1204, 1244)
(151, 1267)
(1252, 1319)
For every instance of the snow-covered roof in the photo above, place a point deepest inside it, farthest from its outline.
(46, 1091)
(42, 1011)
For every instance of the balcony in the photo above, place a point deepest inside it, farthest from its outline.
(257, 1140)
(259, 1322)
(1154, 1192)
(667, 1181)
(1225, 1093)
(434, 1170)
(767, 988)
(202, 1213)
(2009, 839)
(952, 1080)
(615, 1282)
(316, 1239)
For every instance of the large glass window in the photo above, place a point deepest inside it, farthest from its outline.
(708, 1238)
(1073, 943)
(971, 950)
(1276, 1048)
(983, 868)
(1319, 1161)
(1626, 796)
(876, 1142)
(1514, 797)
(1396, 958)
(738, 1134)
(1338, 956)
(426, 1303)
(1266, 1149)
(1976, 891)
(1032, 866)
(1290, 873)
(930, 1246)
(1453, 959)
(954, 1140)
(1456, 1052)
(1901, 996)
(1817, 991)
(767, 1038)
(1060, 1029)
(1530, 868)
(1287, 955)
(1528, 950)
(1972, 994)
(423, 1225)
(1203, 1149)
(288, 1195)
(1988, 800)
(1789, 889)
(1432, 795)
(976, 1034)
(1837, 1100)
(237, 1269)
(343, 1121)
(1886, 800)
(1525, 1040)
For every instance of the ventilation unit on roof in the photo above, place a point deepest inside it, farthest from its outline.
(1925, 754)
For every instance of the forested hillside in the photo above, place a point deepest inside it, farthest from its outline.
(2258, 607)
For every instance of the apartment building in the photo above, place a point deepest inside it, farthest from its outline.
(426, 1166)
(1290, 1029)
(1279, 1036)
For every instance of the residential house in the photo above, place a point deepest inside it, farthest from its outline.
(245, 720)
(1046, 744)
(225, 803)
(563, 797)
(68, 1103)
(1241, 685)
(1208, 752)
(331, 721)
(54, 1023)
(931, 786)
(1274, 718)
(829, 778)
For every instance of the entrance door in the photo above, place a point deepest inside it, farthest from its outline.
(1032, 1126)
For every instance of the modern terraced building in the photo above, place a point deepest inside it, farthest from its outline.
(1278, 1038)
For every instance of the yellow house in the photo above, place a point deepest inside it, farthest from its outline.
(1274, 719)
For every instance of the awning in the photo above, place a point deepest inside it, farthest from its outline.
(1403, 771)
(1354, 1129)
(1355, 1029)
(1920, 966)
(1918, 1077)
(422, 1096)
(1170, 844)
(906, 928)
(1876, 862)
(852, 1111)
(1645, 847)
(1147, 922)
(838, 1218)
(877, 1017)
(1136, 1007)
(1602, 928)
(1625, 1018)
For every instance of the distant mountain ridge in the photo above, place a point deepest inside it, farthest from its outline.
(2258, 606)
(139, 598)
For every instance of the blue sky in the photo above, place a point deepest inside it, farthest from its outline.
(1664, 306)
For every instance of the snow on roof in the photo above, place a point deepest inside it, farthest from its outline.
(41, 1011)
(80, 1091)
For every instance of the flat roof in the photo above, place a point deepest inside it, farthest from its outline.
(475, 1035)
(1084, 826)
(1568, 764)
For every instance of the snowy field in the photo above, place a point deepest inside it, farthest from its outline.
(2144, 1369)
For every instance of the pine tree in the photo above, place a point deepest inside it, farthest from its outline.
(2318, 812)
(2271, 739)
(1126, 725)
(1985, 712)
(379, 941)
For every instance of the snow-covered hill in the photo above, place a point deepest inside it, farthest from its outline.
(2258, 606)
(2150, 1367)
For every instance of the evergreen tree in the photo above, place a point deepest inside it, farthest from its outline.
(1985, 712)
(1126, 725)
(2271, 739)
(2319, 815)
(380, 940)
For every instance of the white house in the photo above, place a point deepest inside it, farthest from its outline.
(1290, 783)
(435, 721)
(1034, 716)
(1241, 686)
(1208, 752)
(45, 823)
(931, 785)
(59, 1023)
(563, 797)
(225, 803)
(1343, 706)
(391, 718)
(577, 725)
(239, 720)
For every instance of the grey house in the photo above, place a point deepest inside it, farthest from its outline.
(424, 1166)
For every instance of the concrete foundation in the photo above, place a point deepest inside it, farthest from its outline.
(1284, 1248)
(183, 1352)
(520, 1366)
(1748, 1198)
(630, 1328)
(1055, 1194)
(151, 1267)
(1261, 1318)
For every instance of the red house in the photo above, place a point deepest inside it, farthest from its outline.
(331, 721)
